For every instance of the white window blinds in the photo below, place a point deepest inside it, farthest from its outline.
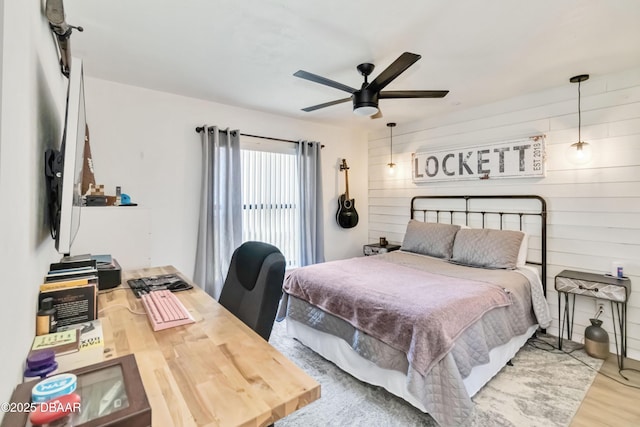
(269, 205)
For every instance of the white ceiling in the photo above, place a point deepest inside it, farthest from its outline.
(244, 52)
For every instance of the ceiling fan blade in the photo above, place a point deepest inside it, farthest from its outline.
(403, 62)
(377, 115)
(326, 104)
(323, 81)
(389, 94)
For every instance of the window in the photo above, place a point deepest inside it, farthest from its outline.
(269, 199)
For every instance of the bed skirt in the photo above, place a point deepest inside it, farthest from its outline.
(340, 352)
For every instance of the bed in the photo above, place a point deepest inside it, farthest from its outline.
(433, 322)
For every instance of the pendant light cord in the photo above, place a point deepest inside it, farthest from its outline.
(391, 145)
(391, 126)
(579, 115)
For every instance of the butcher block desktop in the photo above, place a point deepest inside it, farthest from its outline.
(214, 372)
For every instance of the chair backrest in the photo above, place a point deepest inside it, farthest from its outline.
(253, 286)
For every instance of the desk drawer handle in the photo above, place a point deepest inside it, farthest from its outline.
(582, 288)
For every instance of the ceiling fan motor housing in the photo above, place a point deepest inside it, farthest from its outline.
(365, 98)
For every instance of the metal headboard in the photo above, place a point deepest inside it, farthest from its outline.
(503, 215)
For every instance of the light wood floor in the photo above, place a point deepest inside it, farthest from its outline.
(609, 403)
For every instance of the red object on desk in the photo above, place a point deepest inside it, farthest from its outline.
(52, 410)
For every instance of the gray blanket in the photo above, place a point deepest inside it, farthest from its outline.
(412, 310)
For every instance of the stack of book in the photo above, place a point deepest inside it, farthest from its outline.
(73, 286)
(74, 346)
(90, 349)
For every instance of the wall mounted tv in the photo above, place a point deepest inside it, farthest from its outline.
(63, 168)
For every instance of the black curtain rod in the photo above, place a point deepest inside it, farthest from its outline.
(201, 128)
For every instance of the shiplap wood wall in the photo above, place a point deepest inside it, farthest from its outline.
(593, 209)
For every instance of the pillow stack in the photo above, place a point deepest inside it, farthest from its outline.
(485, 248)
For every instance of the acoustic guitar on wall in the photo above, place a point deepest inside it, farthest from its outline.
(346, 216)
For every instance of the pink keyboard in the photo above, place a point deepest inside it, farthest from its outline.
(165, 310)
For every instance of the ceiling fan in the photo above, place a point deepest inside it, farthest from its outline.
(365, 99)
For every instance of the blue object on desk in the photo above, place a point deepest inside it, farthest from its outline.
(52, 387)
(125, 199)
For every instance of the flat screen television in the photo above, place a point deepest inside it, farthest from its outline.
(63, 168)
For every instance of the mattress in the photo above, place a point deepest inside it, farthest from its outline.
(445, 390)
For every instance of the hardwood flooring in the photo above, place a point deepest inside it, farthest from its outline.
(609, 403)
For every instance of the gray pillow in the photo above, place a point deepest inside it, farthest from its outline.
(487, 248)
(429, 238)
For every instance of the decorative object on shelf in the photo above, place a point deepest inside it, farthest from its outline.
(383, 241)
(88, 174)
(95, 196)
(596, 339)
(391, 164)
(580, 152)
(518, 158)
(346, 216)
(96, 190)
(617, 270)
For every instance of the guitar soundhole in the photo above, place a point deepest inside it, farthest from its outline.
(347, 204)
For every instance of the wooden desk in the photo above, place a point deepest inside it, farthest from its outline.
(215, 372)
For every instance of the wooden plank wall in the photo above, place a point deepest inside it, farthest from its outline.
(594, 209)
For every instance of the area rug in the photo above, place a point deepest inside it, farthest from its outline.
(542, 388)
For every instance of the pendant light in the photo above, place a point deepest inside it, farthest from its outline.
(391, 164)
(580, 152)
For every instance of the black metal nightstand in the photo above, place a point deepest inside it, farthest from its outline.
(375, 248)
(599, 286)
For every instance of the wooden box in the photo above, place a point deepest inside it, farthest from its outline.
(111, 394)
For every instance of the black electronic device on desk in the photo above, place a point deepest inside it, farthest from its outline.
(144, 285)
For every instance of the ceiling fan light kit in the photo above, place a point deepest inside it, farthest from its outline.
(365, 99)
(365, 110)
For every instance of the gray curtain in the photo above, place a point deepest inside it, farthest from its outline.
(220, 226)
(311, 205)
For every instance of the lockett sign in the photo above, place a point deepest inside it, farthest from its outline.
(522, 158)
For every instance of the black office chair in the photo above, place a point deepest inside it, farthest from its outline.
(253, 286)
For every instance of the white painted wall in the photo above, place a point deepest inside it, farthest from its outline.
(145, 142)
(594, 210)
(33, 98)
